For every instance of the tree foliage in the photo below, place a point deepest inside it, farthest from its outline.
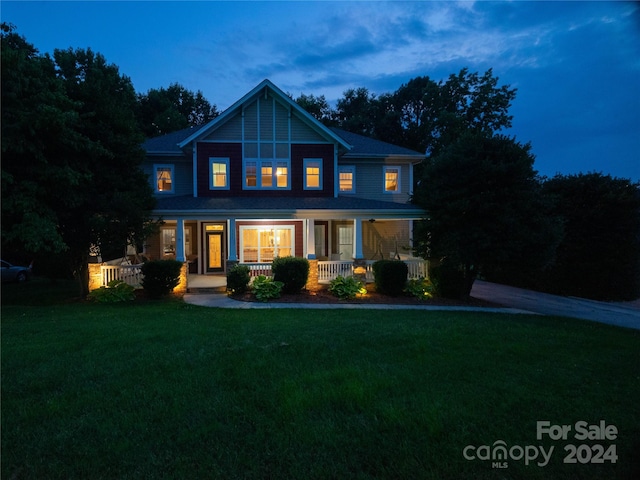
(71, 173)
(165, 110)
(485, 208)
(599, 256)
(423, 114)
(316, 106)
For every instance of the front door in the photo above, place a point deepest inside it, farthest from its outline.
(215, 252)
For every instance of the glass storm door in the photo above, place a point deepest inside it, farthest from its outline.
(215, 252)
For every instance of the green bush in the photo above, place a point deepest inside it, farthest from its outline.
(448, 281)
(421, 288)
(293, 272)
(238, 279)
(346, 288)
(115, 291)
(390, 276)
(266, 288)
(160, 277)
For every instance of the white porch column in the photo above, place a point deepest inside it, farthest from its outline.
(311, 239)
(180, 256)
(357, 239)
(231, 234)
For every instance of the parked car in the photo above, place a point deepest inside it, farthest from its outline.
(14, 273)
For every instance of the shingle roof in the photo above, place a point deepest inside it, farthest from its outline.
(366, 146)
(168, 143)
(362, 146)
(283, 204)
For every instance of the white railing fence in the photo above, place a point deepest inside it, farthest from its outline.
(256, 269)
(328, 270)
(129, 274)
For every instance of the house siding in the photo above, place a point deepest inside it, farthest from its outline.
(370, 181)
(182, 171)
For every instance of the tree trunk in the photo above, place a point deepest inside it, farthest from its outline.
(82, 274)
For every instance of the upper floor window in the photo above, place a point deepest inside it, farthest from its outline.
(392, 179)
(266, 174)
(347, 179)
(219, 173)
(313, 174)
(164, 175)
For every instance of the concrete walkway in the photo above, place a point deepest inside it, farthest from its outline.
(514, 300)
(622, 314)
(222, 301)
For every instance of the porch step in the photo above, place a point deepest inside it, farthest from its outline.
(207, 290)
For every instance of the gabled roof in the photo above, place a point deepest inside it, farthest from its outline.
(168, 144)
(282, 97)
(368, 147)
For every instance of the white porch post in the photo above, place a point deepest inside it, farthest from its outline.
(180, 256)
(311, 239)
(231, 229)
(357, 239)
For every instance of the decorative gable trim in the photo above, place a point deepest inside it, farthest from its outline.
(229, 113)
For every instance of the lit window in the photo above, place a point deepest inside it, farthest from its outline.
(164, 178)
(219, 173)
(346, 179)
(392, 179)
(263, 244)
(266, 174)
(282, 176)
(313, 174)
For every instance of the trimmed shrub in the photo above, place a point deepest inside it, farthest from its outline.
(115, 291)
(390, 276)
(238, 279)
(160, 277)
(293, 272)
(346, 288)
(266, 288)
(448, 281)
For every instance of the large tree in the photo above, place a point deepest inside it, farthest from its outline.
(71, 173)
(485, 208)
(165, 110)
(599, 256)
(436, 114)
(316, 106)
(355, 112)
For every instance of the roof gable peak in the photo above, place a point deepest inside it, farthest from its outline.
(266, 86)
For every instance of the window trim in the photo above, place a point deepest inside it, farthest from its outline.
(350, 169)
(309, 162)
(384, 179)
(171, 167)
(275, 164)
(290, 227)
(219, 160)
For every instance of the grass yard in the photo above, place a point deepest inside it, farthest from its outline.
(169, 390)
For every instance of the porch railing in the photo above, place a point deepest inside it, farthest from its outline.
(256, 269)
(328, 270)
(129, 274)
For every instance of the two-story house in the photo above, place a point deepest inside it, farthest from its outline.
(266, 179)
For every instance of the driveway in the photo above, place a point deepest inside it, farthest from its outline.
(622, 314)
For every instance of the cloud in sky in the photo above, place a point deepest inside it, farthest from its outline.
(576, 65)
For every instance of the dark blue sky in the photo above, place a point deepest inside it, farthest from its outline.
(576, 64)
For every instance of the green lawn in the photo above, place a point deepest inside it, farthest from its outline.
(169, 390)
